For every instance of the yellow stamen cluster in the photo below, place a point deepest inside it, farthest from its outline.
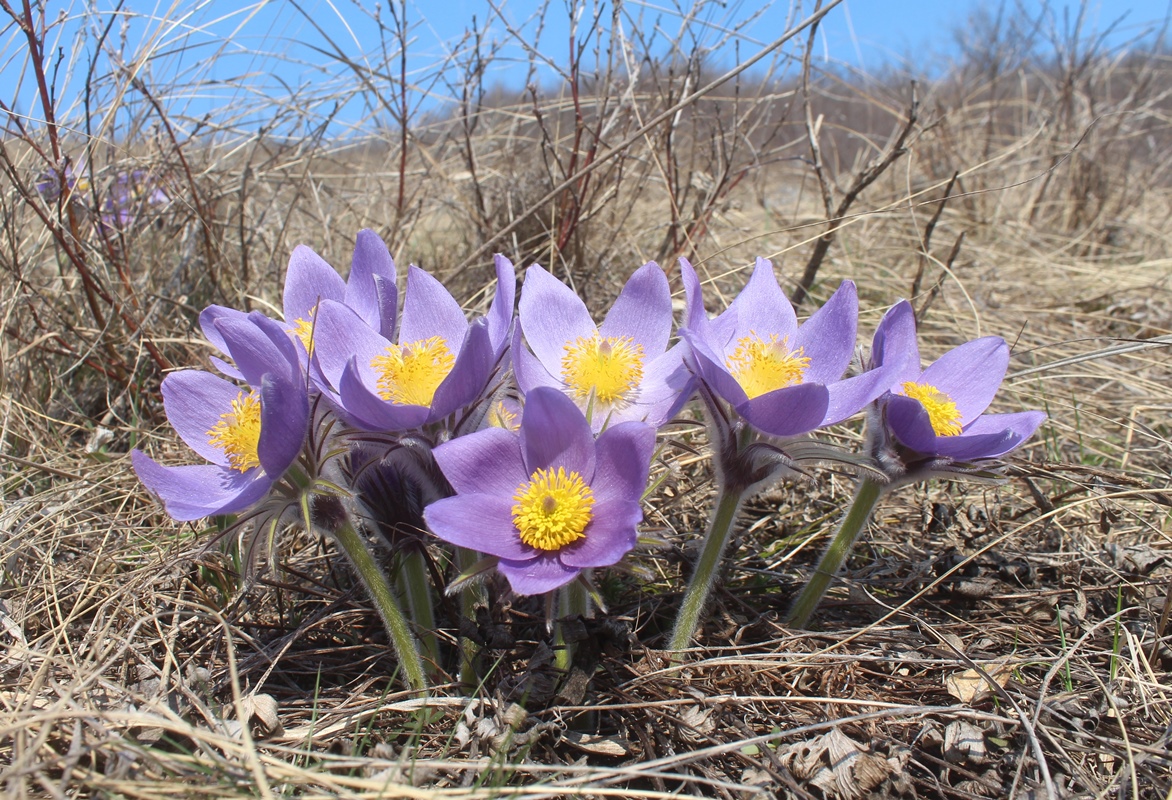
(942, 412)
(608, 368)
(552, 509)
(765, 365)
(303, 330)
(499, 416)
(410, 374)
(237, 433)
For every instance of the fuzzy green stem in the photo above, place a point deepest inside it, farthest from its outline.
(572, 601)
(866, 496)
(416, 582)
(704, 576)
(469, 596)
(380, 591)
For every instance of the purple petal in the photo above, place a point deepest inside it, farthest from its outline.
(554, 433)
(486, 462)
(790, 411)
(827, 338)
(847, 397)
(991, 435)
(642, 311)
(430, 310)
(388, 299)
(369, 411)
(527, 370)
(894, 344)
(284, 419)
(225, 368)
(207, 323)
(970, 374)
(500, 313)
(289, 353)
(762, 308)
(971, 448)
(908, 420)
(195, 401)
(623, 461)
(469, 374)
(542, 574)
(551, 316)
(370, 289)
(342, 336)
(260, 345)
(609, 536)
(695, 315)
(480, 522)
(309, 279)
(203, 490)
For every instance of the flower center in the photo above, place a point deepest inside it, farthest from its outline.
(499, 416)
(237, 433)
(942, 412)
(765, 365)
(552, 509)
(409, 374)
(609, 368)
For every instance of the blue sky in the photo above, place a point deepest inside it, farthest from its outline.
(238, 55)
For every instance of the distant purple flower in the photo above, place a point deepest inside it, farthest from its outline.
(620, 370)
(939, 412)
(549, 501)
(48, 183)
(251, 436)
(132, 193)
(783, 378)
(440, 364)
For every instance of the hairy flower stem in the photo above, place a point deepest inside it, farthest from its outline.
(375, 581)
(572, 601)
(416, 583)
(469, 596)
(866, 496)
(704, 576)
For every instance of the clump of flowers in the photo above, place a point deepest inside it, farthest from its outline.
(520, 445)
(128, 199)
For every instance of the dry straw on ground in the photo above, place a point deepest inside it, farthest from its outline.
(984, 642)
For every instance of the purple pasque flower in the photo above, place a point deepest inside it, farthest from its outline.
(132, 193)
(783, 378)
(250, 435)
(939, 411)
(370, 291)
(619, 371)
(440, 364)
(548, 500)
(49, 183)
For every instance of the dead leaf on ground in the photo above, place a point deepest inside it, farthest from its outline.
(614, 746)
(261, 710)
(964, 743)
(969, 685)
(838, 765)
